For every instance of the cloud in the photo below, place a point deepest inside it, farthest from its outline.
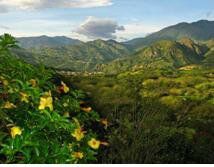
(7, 5)
(4, 27)
(94, 28)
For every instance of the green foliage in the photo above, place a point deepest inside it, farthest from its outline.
(41, 118)
(155, 116)
(6, 42)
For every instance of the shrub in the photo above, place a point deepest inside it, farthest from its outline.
(42, 120)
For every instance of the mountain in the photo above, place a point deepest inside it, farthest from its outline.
(209, 56)
(82, 57)
(174, 46)
(200, 30)
(161, 54)
(45, 41)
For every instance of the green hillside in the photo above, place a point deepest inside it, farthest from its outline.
(200, 30)
(162, 54)
(86, 56)
(209, 56)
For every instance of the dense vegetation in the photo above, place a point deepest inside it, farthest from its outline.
(155, 116)
(42, 120)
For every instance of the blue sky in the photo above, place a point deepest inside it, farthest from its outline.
(92, 19)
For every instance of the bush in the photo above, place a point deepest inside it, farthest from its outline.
(42, 120)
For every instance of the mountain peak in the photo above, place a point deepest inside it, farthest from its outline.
(202, 21)
(200, 30)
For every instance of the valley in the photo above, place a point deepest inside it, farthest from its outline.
(147, 100)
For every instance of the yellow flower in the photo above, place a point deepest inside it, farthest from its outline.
(15, 131)
(33, 82)
(77, 155)
(93, 143)
(24, 97)
(86, 109)
(9, 105)
(65, 87)
(104, 122)
(78, 134)
(46, 101)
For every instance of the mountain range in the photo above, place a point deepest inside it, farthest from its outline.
(174, 47)
(162, 54)
(200, 31)
(45, 41)
(83, 57)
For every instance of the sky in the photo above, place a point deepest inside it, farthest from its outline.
(98, 19)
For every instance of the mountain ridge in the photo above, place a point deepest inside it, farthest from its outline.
(199, 30)
(85, 56)
(46, 41)
(161, 54)
(183, 39)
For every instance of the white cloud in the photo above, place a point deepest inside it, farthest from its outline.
(6, 5)
(94, 28)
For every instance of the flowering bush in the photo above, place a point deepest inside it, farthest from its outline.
(42, 120)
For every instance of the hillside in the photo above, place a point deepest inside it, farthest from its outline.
(200, 30)
(161, 54)
(45, 41)
(85, 56)
(209, 56)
